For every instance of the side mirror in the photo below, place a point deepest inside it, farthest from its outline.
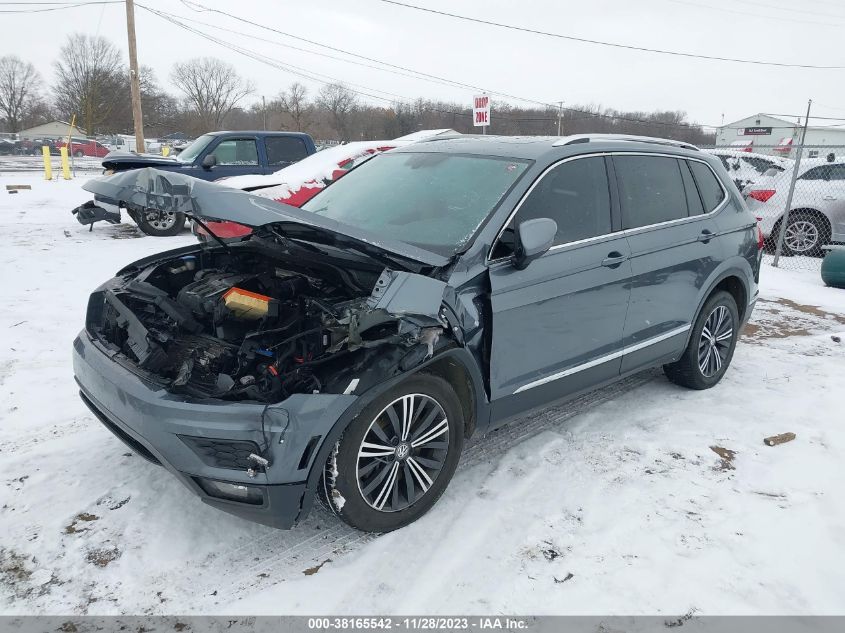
(209, 161)
(533, 238)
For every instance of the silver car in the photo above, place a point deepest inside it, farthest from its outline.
(817, 212)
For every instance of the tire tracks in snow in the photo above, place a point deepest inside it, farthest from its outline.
(279, 555)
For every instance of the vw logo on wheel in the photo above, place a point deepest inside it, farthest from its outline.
(402, 450)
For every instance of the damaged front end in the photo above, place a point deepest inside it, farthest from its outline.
(304, 305)
(237, 324)
(237, 365)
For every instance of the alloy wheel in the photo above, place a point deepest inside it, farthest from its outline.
(715, 342)
(160, 220)
(402, 453)
(801, 236)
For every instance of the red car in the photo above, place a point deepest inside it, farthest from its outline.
(85, 147)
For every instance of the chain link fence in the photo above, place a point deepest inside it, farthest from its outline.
(798, 195)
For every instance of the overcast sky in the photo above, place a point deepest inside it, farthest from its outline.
(527, 65)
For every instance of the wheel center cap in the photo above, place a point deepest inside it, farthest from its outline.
(403, 450)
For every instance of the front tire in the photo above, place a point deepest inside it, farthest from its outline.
(160, 223)
(711, 345)
(396, 457)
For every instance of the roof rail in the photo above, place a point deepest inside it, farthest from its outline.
(586, 138)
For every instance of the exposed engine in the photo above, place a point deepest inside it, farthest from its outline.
(238, 326)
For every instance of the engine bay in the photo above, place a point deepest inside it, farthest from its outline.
(240, 325)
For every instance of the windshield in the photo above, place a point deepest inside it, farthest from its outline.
(430, 200)
(189, 154)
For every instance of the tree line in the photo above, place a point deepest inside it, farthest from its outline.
(91, 81)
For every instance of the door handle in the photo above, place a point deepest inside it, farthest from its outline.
(613, 260)
(705, 236)
(829, 198)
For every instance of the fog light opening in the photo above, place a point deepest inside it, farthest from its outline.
(231, 492)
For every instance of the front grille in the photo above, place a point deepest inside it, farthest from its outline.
(127, 439)
(231, 454)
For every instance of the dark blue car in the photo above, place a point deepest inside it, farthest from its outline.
(211, 157)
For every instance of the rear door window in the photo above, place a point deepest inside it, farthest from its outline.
(284, 149)
(651, 190)
(711, 191)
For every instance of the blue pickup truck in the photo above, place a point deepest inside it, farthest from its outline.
(210, 157)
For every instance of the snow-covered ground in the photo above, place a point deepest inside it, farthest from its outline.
(616, 503)
(84, 164)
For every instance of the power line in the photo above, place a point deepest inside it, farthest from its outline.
(204, 9)
(61, 7)
(312, 75)
(801, 11)
(823, 118)
(630, 47)
(200, 8)
(440, 81)
(758, 15)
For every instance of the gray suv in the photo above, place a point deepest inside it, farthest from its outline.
(346, 350)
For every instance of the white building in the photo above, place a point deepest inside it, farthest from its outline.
(52, 130)
(767, 134)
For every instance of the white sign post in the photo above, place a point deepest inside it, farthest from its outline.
(481, 112)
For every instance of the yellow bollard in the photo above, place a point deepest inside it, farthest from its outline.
(165, 150)
(65, 164)
(48, 167)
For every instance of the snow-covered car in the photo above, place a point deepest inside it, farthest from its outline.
(817, 215)
(438, 291)
(297, 184)
(745, 168)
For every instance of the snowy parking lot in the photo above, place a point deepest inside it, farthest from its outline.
(641, 498)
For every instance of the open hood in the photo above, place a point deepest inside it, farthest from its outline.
(150, 188)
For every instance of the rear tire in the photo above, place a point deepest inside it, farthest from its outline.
(805, 234)
(711, 345)
(160, 223)
(396, 457)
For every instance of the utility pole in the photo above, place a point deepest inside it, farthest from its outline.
(791, 193)
(264, 110)
(559, 115)
(134, 78)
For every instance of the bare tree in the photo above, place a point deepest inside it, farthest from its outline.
(19, 85)
(90, 80)
(159, 107)
(341, 103)
(211, 87)
(294, 101)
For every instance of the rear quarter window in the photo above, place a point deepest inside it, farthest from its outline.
(709, 187)
(694, 204)
(284, 149)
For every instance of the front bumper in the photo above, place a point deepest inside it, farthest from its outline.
(202, 441)
(97, 211)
